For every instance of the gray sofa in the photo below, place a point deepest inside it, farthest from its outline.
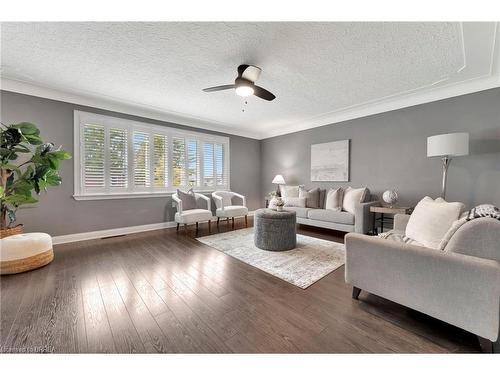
(460, 285)
(360, 222)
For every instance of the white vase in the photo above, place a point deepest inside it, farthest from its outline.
(279, 208)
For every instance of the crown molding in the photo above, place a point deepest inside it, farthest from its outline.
(115, 105)
(390, 104)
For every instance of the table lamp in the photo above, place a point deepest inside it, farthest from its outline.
(278, 180)
(446, 146)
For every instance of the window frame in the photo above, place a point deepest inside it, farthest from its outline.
(81, 118)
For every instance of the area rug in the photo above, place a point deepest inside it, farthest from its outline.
(311, 260)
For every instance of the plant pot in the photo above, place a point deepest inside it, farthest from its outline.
(5, 232)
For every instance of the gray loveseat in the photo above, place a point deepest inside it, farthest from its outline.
(460, 285)
(360, 222)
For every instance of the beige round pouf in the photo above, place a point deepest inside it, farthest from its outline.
(24, 252)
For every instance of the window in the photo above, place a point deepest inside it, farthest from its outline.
(122, 158)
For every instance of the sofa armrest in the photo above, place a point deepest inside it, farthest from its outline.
(459, 289)
(400, 222)
(363, 218)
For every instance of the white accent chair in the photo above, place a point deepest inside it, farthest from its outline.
(225, 207)
(193, 216)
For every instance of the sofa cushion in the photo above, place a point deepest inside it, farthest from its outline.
(289, 191)
(431, 219)
(334, 199)
(295, 202)
(311, 196)
(300, 211)
(340, 217)
(353, 197)
(188, 199)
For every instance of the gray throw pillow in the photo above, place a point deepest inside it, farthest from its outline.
(322, 198)
(312, 197)
(188, 199)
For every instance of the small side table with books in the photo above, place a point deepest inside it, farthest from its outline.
(383, 219)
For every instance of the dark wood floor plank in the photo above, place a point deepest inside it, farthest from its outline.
(166, 292)
(99, 336)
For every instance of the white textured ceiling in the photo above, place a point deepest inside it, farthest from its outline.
(316, 70)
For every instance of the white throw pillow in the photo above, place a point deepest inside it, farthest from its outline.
(431, 219)
(295, 202)
(289, 191)
(352, 197)
(334, 199)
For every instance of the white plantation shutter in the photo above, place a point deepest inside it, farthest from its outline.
(208, 164)
(178, 162)
(220, 174)
(193, 163)
(141, 159)
(118, 158)
(93, 156)
(160, 161)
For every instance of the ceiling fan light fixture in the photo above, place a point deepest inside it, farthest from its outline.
(244, 90)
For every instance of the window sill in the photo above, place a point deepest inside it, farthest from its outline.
(102, 196)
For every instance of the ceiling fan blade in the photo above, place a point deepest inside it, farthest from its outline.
(219, 88)
(241, 69)
(263, 93)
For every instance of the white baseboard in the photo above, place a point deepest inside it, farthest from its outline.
(75, 237)
(110, 232)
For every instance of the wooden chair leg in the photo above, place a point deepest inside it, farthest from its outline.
(218, 219)
(209, 226)
(355, 292)
(233, 222)
(196, 227)
(177, 229)
(246, 221)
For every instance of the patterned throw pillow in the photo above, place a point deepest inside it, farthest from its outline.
(311, 196)
(188, 199)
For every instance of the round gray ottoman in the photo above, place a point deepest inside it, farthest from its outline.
(275, 230)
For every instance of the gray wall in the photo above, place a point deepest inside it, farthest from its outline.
(58, 213)
(388, 151)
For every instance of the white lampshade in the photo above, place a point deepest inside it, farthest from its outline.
(278, 179)
(453, 144)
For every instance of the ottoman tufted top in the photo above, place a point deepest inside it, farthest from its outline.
(267, 213)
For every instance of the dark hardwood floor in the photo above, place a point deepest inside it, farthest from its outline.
(164, 291)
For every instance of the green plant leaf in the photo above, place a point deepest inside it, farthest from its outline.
(27, 128)
(53, 160)
(61, 154)
(17, 200)
(33, 139)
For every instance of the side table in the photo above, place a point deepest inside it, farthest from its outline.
(384, 210)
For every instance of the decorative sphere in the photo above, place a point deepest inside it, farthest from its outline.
(390, 196)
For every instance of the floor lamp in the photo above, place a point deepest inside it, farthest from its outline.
(447, 146)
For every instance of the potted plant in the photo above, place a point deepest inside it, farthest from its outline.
(27, 164)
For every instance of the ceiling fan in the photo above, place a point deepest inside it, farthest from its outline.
(244, 84)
